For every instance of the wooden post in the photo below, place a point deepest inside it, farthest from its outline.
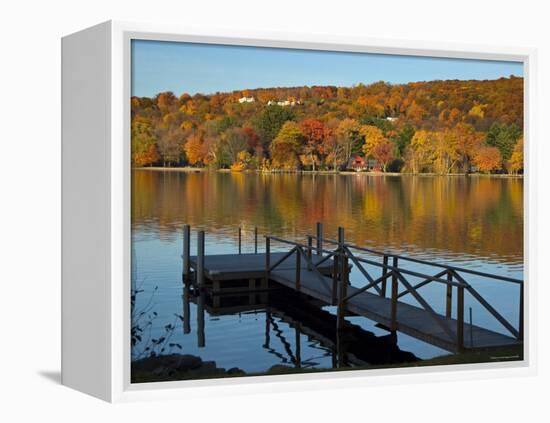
(383, 288)
(449, 306)
(186, 251)
(394, 293)
(255, 240)
(239, 240)
(319, 239)
(309, 251)
(200, 259)
(460, 318)
(343, 284)
(520, 325)
(335, 273)
(298, 268)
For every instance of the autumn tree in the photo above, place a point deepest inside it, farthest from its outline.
(463, 140)
(384, 153)
(195, 150)
(444, 155)
(334, 144)
(286, 146)
(166, 101)
(144, 144)
(214, 154)
(515, 164)
(313, 132)
(420, 153)
(348, 138)
(488, 159)
(415, 112)
(252, 138)
(169, 142)
(373, 136)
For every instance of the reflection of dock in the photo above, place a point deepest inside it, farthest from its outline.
(351, 345)
(323, 274)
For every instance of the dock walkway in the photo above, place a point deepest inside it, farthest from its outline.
(324, 276)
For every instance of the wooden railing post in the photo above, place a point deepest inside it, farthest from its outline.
(200, 259)
(255, 240)
(239, 240)
(394, 293)
(298, 268)
(335, 275)
(449, 305)
(319, 239)
(309, 251)
(343, 284)
(460, 318)
(384, 281)
(186, 252)
(267, 258)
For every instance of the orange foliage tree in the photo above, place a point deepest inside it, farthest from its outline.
(194, 149)
(488, 159)
(384, 153)
(313, 132)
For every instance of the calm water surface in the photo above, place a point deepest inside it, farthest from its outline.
(473, 222)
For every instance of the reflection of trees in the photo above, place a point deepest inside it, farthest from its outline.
(475, 215)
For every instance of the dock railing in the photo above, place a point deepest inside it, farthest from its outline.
(453, 277)
(242, 230)
(300, 252)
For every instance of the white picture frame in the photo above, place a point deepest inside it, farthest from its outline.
(96, 227)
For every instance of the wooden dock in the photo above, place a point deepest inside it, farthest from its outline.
(322, 274)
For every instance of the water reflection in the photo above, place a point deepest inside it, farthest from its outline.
(458, 217)
(297, 333)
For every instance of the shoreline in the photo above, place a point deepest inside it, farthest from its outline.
(323, 172)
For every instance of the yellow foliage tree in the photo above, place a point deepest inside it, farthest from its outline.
(373, 136)
(515, 164)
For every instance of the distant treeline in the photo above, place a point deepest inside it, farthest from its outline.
(437, 126)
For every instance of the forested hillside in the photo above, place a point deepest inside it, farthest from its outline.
(437, 126)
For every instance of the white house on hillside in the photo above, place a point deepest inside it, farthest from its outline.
(283, 103)
(246, 100)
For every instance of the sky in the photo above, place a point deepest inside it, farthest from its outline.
(159, 66)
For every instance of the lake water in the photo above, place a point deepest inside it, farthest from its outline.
(472, 222)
